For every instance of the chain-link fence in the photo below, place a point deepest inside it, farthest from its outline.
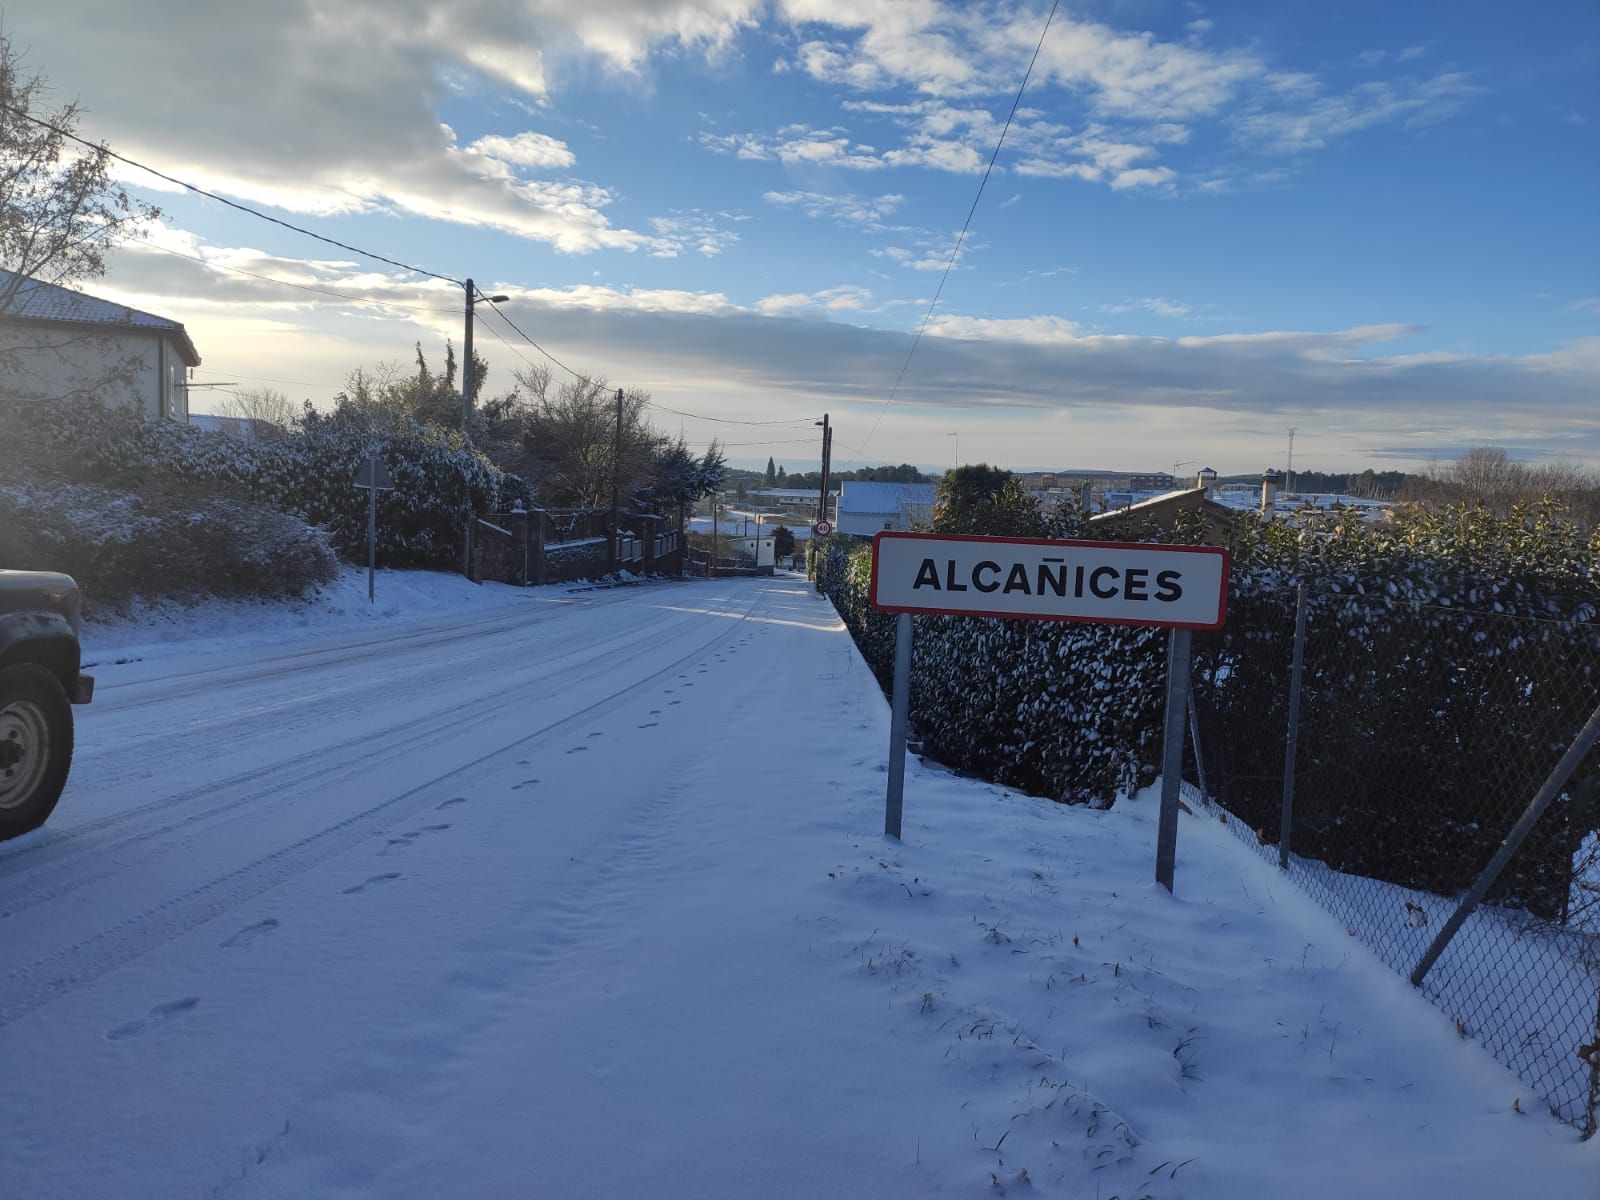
(1421, 736)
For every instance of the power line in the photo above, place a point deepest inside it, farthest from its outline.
(501, 314)
(304, 287)
(102, 148)
(965, 225)
(731, 420)
(577, 375)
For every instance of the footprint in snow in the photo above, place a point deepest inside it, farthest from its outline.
(451, 801)
(251, 932)
(435, 828)
(577, 750)
(158, 1014)
(650, 725)
(595, 735)
(677, 701)
(526, 783)
(370, 881)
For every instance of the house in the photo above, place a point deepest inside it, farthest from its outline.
(1218, 522)
(798, 501)
(55, 343)
(866, 508)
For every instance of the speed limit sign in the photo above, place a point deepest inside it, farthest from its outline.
(822, 528)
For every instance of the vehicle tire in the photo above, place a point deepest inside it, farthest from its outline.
(35, 747)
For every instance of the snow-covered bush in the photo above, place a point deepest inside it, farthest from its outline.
(1061, 710)
(309, 473)
(1451, 656)
(121, 544)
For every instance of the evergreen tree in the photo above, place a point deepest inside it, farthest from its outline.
(772, 473)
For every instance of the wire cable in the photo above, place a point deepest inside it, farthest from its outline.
(499, 312)
(101, 147)
(965, 225)
(304, 287)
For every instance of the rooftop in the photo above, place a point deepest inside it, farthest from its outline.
(39, 301)
(859, 496)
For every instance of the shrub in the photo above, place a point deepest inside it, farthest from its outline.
(309, 473)
(120, 545)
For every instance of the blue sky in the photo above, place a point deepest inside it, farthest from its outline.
(1374, 222)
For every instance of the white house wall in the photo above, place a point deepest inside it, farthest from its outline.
(115, 366)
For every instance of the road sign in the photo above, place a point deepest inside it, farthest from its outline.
(822, 528)
(1180, 588)
(1112, 583)
(375, 465)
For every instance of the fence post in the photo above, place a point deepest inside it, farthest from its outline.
(1194, 742)
(536, 520)
(901, 703)
(1512, 843)
(1172, 757)
(1286, 818)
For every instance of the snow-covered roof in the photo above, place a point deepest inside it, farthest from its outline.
(791, 493)
(39, 301)
(858, 496)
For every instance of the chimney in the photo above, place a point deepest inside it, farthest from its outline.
(1271, 485)
(1206, 478)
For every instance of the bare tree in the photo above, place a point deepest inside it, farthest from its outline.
(59, 208)
(569, 439)
(259, 405)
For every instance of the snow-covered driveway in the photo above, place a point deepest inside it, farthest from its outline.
(583, 895)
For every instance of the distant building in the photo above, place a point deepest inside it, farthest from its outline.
(866, 508)
(1218, 522)
(801, 501)
(246, 429)
(56, 343)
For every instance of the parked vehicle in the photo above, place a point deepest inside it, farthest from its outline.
(40, 681)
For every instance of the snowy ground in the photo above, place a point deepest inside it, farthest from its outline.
(538, 896)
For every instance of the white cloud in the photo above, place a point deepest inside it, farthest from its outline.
(871, 212)
(334, 107)
(1317, 121)
(844, 298)
(691, 230)
(1142, 177)
(1041, 331)
(525, 150)
(1018, 369)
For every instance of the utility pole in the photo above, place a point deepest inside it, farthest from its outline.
(827, 453)
(616, 481)
(1288, 483)
(713, 568)
(466, 370)
(466, 400)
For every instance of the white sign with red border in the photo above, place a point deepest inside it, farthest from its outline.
(822, 528)
(1112, 583)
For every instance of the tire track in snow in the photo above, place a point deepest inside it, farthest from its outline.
(96, 860)
(54, 975)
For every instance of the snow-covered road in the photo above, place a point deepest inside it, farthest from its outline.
(582, 895)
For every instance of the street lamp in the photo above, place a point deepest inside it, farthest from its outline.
(957, 455)
(473, 297)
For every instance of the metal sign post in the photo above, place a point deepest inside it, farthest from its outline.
(375, 478)
(1172, 755)
(899, 707)
(1181, 588)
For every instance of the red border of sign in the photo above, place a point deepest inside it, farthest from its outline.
(872, 587)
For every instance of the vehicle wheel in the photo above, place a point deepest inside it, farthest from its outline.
(35, 747)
